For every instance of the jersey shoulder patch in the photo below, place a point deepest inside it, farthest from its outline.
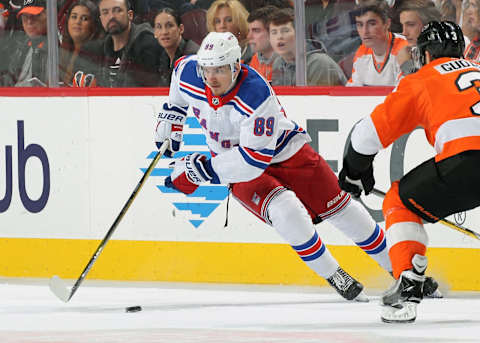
(254, 89)
(188, 72)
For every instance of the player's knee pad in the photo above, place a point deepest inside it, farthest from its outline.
(290, 218)
(394, 211)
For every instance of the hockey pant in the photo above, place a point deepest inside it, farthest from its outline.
(429, 192)
(294, 194)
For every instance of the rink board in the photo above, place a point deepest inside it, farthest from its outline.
(70, 160)
(250, 263)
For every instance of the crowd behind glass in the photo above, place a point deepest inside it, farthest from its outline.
(135, 43)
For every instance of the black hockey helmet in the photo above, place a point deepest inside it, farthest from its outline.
(440, 39)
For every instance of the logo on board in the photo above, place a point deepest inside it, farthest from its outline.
(26, 150)
(199, 205)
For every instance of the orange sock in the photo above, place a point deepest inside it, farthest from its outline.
(403, 249)
(401, 255)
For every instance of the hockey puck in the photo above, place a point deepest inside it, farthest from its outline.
(133, 309)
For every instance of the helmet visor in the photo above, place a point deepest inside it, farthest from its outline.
(208, 72)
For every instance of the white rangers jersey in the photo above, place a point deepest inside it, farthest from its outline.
(246, 129)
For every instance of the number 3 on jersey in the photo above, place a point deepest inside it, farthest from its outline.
(264, 126)
(466, 81)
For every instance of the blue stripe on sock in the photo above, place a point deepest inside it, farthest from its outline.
(372, 238)
(378, 249)
(308, 244)
(316, 255)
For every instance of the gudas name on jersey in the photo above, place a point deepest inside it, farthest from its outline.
(455, 65)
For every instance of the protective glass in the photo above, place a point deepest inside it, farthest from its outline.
(416, 57)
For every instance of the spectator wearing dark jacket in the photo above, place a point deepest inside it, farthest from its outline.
(4, 39)
(130, 51)
(203, 4)
(28, 65)
(168, 30)
(145, 9)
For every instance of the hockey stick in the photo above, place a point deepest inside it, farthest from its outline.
(444, 221)
(57, 286)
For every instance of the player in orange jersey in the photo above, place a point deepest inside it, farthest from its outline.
(443, 97)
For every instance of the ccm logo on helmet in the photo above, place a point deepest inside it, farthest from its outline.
(171, 117)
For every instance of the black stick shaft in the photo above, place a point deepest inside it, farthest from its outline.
(110, 232)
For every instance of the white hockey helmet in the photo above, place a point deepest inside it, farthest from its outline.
(219, 49)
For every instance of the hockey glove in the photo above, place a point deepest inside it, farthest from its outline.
(189, 172)
(170, 126)
(80, 79)
(357, 173)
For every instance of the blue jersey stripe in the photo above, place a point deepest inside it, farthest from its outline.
(193, 95)
(269, 152)
(239, 109)
(251, 161)
(285, 142)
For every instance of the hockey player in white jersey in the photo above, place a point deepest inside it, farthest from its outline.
(264, 157)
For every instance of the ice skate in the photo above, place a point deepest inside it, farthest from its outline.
(430, 288)
(347, 286)
(401, 300)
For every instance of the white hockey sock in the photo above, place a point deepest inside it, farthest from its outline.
(291, 220)
(357, 224)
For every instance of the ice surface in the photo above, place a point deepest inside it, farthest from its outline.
(177, 313)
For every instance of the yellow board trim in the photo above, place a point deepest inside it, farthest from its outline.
(455, 268)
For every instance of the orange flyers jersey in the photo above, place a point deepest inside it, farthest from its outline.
(443, 98)
(264, 69)
(367, 71)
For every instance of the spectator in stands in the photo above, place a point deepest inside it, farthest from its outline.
(168, 29)
(321, 70)
(83, 25)
(203, 4)
(14, 23)
(230, 16)
(4, 39)
(130, 51)
(451, 10)
(259, 40)
(472, 24)
(3, 17)
(414, 15)
(252, 5)
(28, 65)
(375, 62)
(331, 26)
(145, 9)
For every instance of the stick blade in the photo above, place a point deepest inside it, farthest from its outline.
(59, 288)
